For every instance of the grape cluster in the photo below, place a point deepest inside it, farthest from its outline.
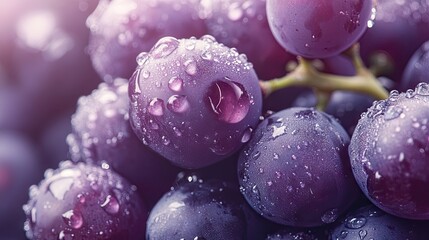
(214, 119)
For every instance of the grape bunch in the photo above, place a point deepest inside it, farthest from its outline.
(214, 119)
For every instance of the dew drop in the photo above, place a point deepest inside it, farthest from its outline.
(73, 219)
(208, 38)
(142, 58)
(164, 47)
(146, 74)
(175, 84)
(110, 205)
(362, 234)
(355, 222)
(207, 55)
(393, 112)
(178, 104)
(344, 234)
(156, 107)
(190, 67)
(246, 135)
(422, 89)
(228, 100)
(330, 216)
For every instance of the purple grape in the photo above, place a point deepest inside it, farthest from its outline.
(198, 209)
(417, 68)
(102, 135)
(298, 158)
(318, 30)
(400, 27)
(194, 101)
(243, 24)
(121, 29)
(82, 201)
(19, 169)
(370, 222)
(389, 153)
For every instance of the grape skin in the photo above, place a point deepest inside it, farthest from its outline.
(416, 69)
(318, 30)
(389, 153)
(298, 158)
(194, 101)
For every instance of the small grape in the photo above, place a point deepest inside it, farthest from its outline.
(194, 101)
(417, 68)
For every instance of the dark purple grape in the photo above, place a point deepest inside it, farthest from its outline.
(370, 222)
(389, 153)
(318, 30)
(82, 201)
(344, 106)
(19, 169)
(400, 27)
(298, 158)
(243, 24)
(194, 101)
(121, 29)
(198, 209)
(102, 135)
(417, 68)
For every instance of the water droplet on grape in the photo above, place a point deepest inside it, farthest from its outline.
(110, 205)
(208, 38)
(178, 104)
(175, 84)
(207, 55)
(73, 219)
(190, 67)
(164, 47)
(393, 112)
(246, 135)
(156, 107)
(146, 74)
(142, 58)
(422, 89)
(355, 222)
(228, 100)
(362, 234)
(330, 216)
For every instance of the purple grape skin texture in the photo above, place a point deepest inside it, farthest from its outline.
(102, 134)
(220, 100)
(389, 153)
(318, 29)
(121, 29)
(417, 67)
(298, 158)
(198, 209)
(243, 24)
(369, 222)
(83, 201)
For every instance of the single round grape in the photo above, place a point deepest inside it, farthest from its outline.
(389, 153)
(399, 28)
(121, 29)
(198, 209)
(19, 168)
(194, 101)
(298, 158)
(369, 222)
(102, 135)
(83, 201)
(243, 24)
(417, 67)
(318, 29)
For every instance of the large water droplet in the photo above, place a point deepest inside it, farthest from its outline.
(355, 222)
(73, 219)
(156, 107)
(228, 100)
(164, 47)
(392, 112)
(178, 104)
(175, 84)
(110, 205)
